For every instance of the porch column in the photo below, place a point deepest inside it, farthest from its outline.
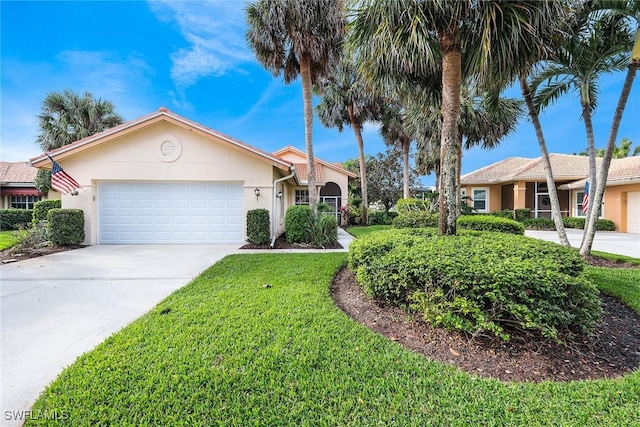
(519, 194)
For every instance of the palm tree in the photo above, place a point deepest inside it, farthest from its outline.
(599, 47)
(407, 39)
(68, 117)
(298, 37)
(394, 131)
(346, 101)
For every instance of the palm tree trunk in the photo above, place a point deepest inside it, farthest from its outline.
(458, 173)
(357, 130)
(406, 144)
(305, 73)
(451, 80)
(589, 233)
(551, 185)
(591, 151)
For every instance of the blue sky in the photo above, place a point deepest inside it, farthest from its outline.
(192, 58)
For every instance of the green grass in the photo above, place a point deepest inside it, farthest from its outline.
(229, 350)
(10, 238)
(616, 257)
(362, 230)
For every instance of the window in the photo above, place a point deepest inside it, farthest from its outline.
(579, 197)
(302, 197)
(23, 202)
(480, 199)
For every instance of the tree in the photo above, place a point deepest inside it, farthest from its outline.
(597, 46)
(619, 151)
(42, 181)
(406, 40)
(395, 132)
(68, 117)
(298, 37)
(346, 101)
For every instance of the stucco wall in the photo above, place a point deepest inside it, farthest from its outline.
(615, 204)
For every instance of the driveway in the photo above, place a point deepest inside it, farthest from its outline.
(606, 241)
(55, 308)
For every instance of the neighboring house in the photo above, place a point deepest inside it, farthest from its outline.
(17, 185)
(162, 178)
(518, 182)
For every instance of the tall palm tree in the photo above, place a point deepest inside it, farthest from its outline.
(631, 10)
(298, 37)
(347, 101)
(597, 47)
(68, 117)
(407, 39)
(394, 130)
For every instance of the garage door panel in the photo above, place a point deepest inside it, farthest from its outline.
(130, 212)
(633, 212)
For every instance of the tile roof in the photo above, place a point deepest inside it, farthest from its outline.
(302, 172)
(496, 171)
(626, 169)
(17, 172)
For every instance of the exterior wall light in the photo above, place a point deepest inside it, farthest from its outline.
(279, 195)
(257, 193)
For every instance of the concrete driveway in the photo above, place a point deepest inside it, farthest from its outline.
(55, 308)
(606, 241)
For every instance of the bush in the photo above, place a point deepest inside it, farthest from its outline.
(12, 219)
(415, 219)
(539, 224)
(297, 223)
(323, 231)
(412, 205)
(66, 226)
(505, 213)
(522, 214)
(42, 208)
(490, 223)
(381, 217)
(485, 283)
(579, 222)
(258, 226)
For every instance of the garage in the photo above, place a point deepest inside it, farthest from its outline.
(170, 212)
(633, 212)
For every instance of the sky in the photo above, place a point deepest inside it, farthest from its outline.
(192, 58)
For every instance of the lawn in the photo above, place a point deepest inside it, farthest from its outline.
(257, 340)
(361, 230)
(10, 238)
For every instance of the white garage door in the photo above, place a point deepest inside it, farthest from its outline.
(170, 212)
(633, 212)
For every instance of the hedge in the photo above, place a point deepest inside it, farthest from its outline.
(11, 219)
(484, 283)
(579, 222)
(258, 226)
(415, 219)
(297, 222)
(411, 205)
(66, 226)
(539, 224)
(381, 217)
(490, 223)
(42, 208)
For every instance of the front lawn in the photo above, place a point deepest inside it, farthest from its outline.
(257, 340)
(363, 230)
(10, 238)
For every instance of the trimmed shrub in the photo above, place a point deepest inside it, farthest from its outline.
(66, 226)
(505, 213)
(323, 231)
(485, 283)
(539, 224)
(42, 208)
(412, 205)
(297, 223)
(579, 222)
(522, 214)
(490, 223)
(415, 219)
(258, 226)
(12, 219)
(381, 217)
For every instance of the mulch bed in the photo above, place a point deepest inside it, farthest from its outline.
(612, 351)
(281, 243)
(10, 255)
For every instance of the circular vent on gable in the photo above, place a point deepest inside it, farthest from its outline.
(169, 148)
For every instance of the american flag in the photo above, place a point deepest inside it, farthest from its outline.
(60, 180)
(585, 198)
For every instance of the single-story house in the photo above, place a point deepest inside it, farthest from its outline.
(163, 179)
(518, 182)
(17, 188)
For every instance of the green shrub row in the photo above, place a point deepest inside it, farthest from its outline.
(539, 224)
(579, 222)
(412, 205)
(12, 219)
(66, 226)
(519, 215)
(490, 223)
(258, 226)
(381, 217)
(478, 282)
(42, 208)
(301, 227)
(415, 219)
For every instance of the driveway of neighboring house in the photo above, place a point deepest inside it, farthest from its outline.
(55, 308)
(606, 241)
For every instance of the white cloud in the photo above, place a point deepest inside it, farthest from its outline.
(214, 32)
